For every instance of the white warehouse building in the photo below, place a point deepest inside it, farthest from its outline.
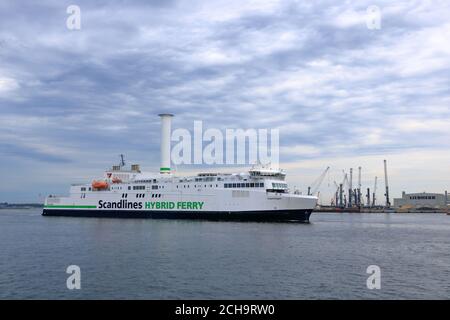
(422, 200)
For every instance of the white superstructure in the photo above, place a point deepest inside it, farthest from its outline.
(261, 193)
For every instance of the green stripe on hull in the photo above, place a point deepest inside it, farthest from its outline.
(70, 207)
(164, 169)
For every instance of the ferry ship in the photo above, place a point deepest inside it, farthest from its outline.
(260, 194)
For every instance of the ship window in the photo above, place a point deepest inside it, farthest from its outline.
(247, 185)
(234, 185)
(83, 189)
(252, 185)
(154, 187)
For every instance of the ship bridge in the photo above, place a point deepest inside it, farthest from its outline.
(267, 172)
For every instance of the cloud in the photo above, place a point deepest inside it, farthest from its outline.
(7, 85)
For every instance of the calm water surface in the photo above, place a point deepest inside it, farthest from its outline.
(159, 259)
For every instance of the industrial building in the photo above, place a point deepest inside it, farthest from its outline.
(424, 201)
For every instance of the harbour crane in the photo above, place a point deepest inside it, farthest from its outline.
(368, 197)
(316, 184)
(342, 197)
(374, 198)
(350, 188)
(388, 202)
(358, 200)
(335, 201)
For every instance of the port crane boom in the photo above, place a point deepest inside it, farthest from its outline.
(316, 184)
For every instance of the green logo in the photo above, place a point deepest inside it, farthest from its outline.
(170, 205)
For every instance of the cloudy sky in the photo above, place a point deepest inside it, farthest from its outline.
(342, 94)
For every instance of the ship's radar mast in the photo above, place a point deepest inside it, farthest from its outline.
(122, 160)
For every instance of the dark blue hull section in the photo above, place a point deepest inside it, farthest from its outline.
(272, 215)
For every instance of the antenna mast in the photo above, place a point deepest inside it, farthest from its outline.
(122, 161)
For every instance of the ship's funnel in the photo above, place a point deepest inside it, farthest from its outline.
(166, 122)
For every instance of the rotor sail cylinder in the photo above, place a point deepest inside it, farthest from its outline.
(166, 130)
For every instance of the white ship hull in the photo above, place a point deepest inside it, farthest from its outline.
(216, 204)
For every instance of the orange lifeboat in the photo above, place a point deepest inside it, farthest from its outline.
(116, 180)
(99, 184)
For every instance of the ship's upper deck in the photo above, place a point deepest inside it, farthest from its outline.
(119, 178)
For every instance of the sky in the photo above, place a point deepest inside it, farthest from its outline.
(341, 93)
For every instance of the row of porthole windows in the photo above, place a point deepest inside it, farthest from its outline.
(154, 187)
(142, 195)
(244, 185)
(197, 186)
